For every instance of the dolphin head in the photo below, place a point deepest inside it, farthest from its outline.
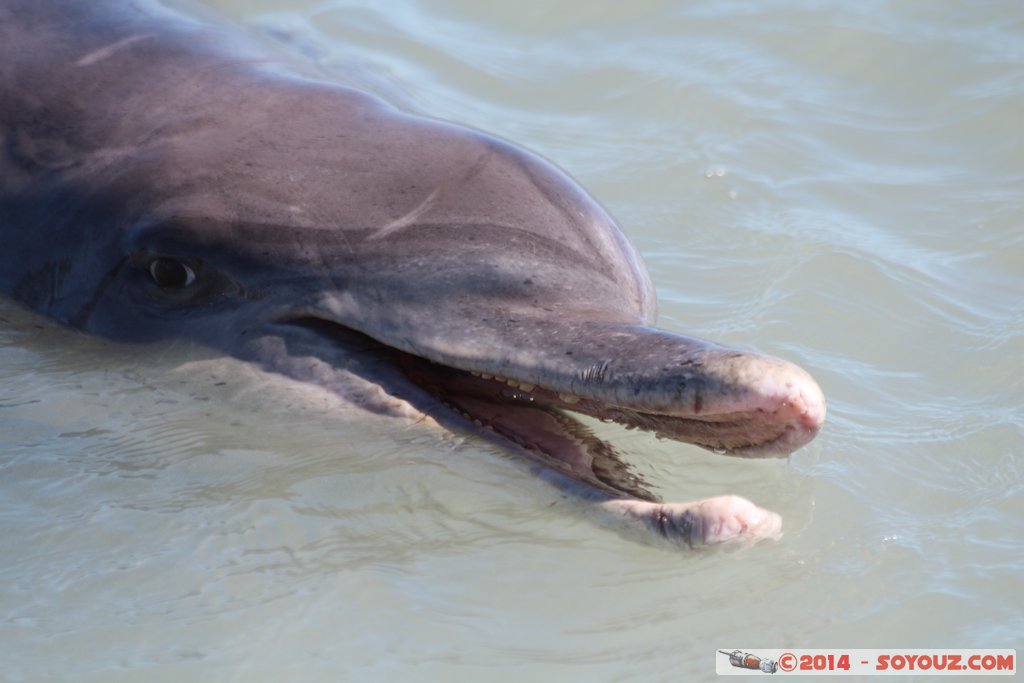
(465, 276)
(491, 274)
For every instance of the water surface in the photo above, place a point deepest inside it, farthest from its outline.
(841, 184)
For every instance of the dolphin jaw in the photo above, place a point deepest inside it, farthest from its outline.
(746, 405)
(769, 423)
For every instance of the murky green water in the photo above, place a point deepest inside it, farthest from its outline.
(841, 184)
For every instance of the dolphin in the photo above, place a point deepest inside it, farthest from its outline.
(165, 177)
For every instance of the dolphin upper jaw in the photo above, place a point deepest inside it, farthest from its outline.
(734, 402)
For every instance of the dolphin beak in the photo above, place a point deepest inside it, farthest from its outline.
(682, 388)
(679, 387)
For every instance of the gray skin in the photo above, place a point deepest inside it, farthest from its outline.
(162, 177)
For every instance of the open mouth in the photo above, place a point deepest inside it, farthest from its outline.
(780, 411)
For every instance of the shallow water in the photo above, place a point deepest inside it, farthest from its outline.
(839, 184)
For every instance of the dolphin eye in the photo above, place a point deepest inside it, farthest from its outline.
(171, 274)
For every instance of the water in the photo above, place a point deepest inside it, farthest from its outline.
(840, 184)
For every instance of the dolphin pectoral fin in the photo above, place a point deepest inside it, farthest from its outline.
(722, 519)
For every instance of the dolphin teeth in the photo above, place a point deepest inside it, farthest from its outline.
(527, 387)
(474, 373)
(568, 398)
(486, 376)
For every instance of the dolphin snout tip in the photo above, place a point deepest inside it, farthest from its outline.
(784, 407)
(802, 405)
(813, 406)
(804, 398)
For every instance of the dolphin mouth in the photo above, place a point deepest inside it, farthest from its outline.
(756, 432)
(773, 414)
